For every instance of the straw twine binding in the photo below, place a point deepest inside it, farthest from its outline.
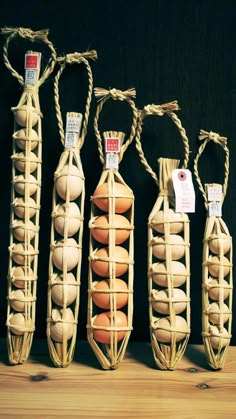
(62, 351)
(216, 321)
(111, 354)
(165, 309)
(25, 205)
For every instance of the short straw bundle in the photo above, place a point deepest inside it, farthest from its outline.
(168, 254)
(25, 199)
(217, 280)
(110, 281)
(67, 225)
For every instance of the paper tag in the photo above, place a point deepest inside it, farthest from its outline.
(184, 190)
(214, 209)
(112, 161)
(71, 139)
(214, 192)
(73, 123)
(32, 63)
(112, 145)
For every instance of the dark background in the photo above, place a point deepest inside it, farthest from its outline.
(183, 50)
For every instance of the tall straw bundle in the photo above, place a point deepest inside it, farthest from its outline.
(168, 254)
(110, 279)
(25, 201)
(217, 276)
(67, 226)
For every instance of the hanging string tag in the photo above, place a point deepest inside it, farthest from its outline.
(112, 149)
(184, 191)
(73, 127)
(32, 67)
(215, 198)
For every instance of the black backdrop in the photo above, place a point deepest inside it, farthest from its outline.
(167, 50)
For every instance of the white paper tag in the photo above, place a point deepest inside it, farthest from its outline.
(112, 161)
(214, 192)
(112, 145)
(214, 209)
(184, 190)
(32, 63)
(31, 76)
(73, 123)
(73, 126)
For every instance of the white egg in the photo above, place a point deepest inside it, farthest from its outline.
(21, 207)
(177, 273)
(221, 243)
(26, 116)
(69, 183)
(21, 274)
(22, 184)
(67, 218)
(22, 162)
(17, 323)
(215, 287)
(174, 219)
(175, 244)
(217, 264)
(218, 338)
(17, 302)
(164, 331)
(22, 253)
(66, 254)
(22, 231)
(64, 291)
(163, 300)
(22, 139)
(62, 324)
(217, 313)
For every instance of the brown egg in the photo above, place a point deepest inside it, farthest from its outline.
(122, 194)
(21, 253)
(220, 242)
(215, 289)
(22, 139)
(66, 252)
(103, 294)
(17, 300)
(62, 325)
(175, 219)
(21, 162)
(69, 183)
(161, 301)
(101, 267)
(23, 117)
(214, 266)
(64, 290)
(218, 338)
(120, 224)
(176, 243)
(104, 320)
(163, 332)
(21, 184)
(21, 207)
(178, 273)
(21, 230)
(19, 275)
(216, 314)
(67, 219)
(17, 323)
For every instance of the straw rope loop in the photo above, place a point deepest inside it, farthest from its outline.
(103, 95)
(160, 110)
(74, 58)
(32, 36)
(206, 137)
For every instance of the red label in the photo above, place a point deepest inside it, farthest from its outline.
(112, 145)
(31, 61)
(182, 176)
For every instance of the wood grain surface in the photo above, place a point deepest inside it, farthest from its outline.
(136, 389)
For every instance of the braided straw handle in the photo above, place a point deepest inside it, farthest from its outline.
(160, 110)
(75, 58)
(104, 95)
(222, 141)
(26, 33)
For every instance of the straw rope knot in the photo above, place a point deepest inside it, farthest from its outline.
(212, 136)
(27, 33)
(161, 110)
(115, 94)
(77, 57)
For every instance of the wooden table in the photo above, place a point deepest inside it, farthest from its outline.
(136, 389)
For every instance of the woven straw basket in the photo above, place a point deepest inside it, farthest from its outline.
(217, 280)
(25, 204)
(168, 255)
(110, 279)
(67, 230)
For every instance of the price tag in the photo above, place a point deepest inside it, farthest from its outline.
(184, 190)
(112, 145)
(214, 209)
(214, 192)
(32, 64)
(112, 161)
